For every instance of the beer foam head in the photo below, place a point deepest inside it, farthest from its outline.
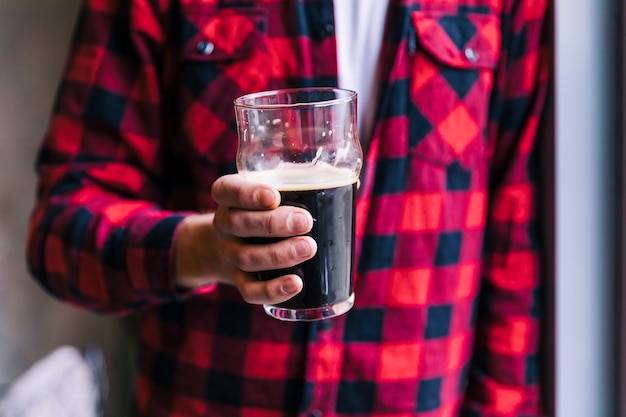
(293, 177)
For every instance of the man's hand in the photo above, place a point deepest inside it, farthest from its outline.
(214, 247)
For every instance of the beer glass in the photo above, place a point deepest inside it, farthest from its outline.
(304, 142)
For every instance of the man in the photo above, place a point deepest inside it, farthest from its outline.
(139, 211)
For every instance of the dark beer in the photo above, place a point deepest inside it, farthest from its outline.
(329, 194)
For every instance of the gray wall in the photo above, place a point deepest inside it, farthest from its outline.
(586, 196)
(34, 36)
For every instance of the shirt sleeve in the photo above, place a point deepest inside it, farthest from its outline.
(98, 236)
(505, 373)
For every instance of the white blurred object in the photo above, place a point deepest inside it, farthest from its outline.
(65, 383)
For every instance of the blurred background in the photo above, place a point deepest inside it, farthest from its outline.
(34, 36)
(581, 177)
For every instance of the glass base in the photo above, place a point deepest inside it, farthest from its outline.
(310, 314)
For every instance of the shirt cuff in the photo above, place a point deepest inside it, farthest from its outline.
(150, 256)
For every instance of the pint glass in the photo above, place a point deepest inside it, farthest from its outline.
(304, 142)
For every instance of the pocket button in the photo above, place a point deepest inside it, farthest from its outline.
(471, 55)
(205, 47)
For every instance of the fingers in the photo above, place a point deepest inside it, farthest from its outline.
(247, 259)
(283, 221)
(234, 191)
(249, 209)
(278, 255)
(268, 292)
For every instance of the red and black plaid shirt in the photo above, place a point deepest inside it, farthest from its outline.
(446, 320)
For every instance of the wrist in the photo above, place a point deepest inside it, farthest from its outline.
(196, 256)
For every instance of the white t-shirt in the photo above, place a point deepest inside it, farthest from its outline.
(359, 28)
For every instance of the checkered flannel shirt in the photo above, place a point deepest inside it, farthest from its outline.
(446, 320)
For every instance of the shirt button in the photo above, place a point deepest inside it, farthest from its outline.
(325, 31)
(471, 55)
(205, 47)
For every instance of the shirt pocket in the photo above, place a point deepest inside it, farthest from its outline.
(453, 60)
(211, 34)
(223, 55)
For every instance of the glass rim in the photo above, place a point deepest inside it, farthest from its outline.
(241, 101)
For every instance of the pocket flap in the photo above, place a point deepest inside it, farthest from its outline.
(210, 34)
(468, 40)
